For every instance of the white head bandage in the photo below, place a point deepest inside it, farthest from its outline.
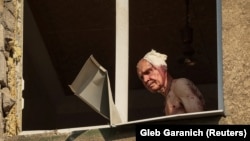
(156, 58)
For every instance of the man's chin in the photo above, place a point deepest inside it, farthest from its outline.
(153, 90)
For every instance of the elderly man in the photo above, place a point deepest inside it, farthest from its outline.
(181, 95)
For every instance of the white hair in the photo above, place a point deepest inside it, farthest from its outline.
(156, 58)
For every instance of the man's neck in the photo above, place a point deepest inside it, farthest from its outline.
(167, 85)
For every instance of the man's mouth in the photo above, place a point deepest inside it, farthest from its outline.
(149, 84)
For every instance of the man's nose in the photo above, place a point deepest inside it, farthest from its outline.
(145, 78)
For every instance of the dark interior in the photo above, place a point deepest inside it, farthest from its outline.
(59, 36)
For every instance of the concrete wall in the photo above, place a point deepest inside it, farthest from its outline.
(236, 82)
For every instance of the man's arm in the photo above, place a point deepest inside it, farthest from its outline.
(189, 95)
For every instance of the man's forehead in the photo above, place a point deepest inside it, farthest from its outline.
(143, 65)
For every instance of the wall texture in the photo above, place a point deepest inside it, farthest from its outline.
(10, 66)
(236, 74)
(236, 51)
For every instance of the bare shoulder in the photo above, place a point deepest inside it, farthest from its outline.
(184, 86)
(189, 94)
(183, 81)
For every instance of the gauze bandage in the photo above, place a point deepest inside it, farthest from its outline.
(156, 58)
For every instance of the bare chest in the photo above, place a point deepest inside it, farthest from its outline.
(173, 104)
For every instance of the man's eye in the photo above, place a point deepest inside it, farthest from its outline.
(148, 71)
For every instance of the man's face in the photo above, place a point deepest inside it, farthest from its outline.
(151, 77)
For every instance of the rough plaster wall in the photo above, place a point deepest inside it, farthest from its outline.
(236, 66)
(11, 49)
